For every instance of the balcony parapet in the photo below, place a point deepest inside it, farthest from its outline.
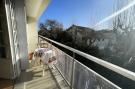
(79, 76)
(124, 72)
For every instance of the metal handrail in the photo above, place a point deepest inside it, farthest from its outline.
(124, 72)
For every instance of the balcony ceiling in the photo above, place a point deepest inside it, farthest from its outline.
(34, 8)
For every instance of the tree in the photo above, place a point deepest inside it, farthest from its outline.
(50, 29)
(53, 25)
(43, 31)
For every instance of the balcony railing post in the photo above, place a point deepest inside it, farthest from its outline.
(72, 73)
(51, 45)
(38, 39)
(40, 42)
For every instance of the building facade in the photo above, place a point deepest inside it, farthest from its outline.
(18, 34)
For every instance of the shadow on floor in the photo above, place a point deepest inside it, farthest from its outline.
(6, 84)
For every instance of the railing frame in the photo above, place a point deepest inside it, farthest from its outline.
(73, 67)
(71, 82)
(124, 72)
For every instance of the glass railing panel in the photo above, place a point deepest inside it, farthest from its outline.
(77, 75)
(85, 78)
(64, 64)
(118, 41)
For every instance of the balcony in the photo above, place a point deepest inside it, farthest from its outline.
(19, 37)
(70, 73)
(32, 79)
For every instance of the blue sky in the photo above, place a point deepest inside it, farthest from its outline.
(81, 12)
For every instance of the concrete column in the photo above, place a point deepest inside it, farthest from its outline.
(32, 35)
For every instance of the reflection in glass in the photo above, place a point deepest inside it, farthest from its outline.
(0, 27)
(2, 52)
(119, 46)
(1, 39)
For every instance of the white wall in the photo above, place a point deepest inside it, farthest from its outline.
(34, 9)
(32, 36)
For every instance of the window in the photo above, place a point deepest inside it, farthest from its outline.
(1, 38)
(2, 24)
(2, 52)
(2, 44)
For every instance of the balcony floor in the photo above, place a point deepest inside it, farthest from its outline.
(33, 79)
(6, 84)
